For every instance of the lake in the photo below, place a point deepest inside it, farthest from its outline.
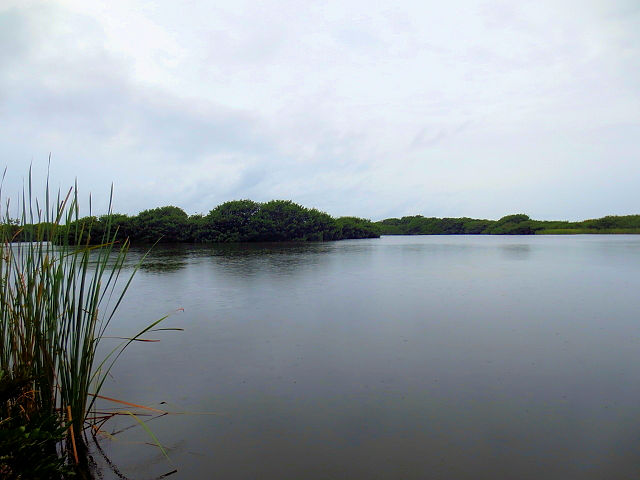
(424, 357)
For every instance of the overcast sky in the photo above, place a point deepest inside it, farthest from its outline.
(374, 109)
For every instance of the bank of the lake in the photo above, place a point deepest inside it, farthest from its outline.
(518, 224)
(284, 221)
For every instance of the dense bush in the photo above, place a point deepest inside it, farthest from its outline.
(284, 220)
(354, 227)
(234, 221)
(518, 224)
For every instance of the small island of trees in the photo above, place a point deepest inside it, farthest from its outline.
(233, 221)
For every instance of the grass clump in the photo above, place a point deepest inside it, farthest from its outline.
(28, 437)
(59, 291)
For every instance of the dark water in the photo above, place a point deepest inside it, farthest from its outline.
(440, 357)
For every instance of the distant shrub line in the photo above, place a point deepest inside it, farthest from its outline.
(518, 224)
(283, 220)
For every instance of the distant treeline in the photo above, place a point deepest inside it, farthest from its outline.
(518, 224)
(283, 220)
(234, 221)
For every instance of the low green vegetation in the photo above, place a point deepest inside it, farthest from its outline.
(29, 436)
(234, 221)
(58, 295)
(518, 224)
(284, 220)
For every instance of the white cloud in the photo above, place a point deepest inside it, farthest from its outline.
(477, 108)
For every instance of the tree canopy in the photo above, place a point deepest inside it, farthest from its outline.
(283, 220)
(516, 224)
(233, 221)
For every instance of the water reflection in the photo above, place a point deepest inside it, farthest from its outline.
(248, 260)
(516, 251)
(233, 259)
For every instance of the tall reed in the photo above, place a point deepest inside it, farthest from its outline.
(58, 295)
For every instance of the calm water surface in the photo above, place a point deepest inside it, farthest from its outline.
(437, 357)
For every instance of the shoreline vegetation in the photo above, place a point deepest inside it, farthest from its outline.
(58, 296)
(518, 224)
(283, 220)
(234, 221)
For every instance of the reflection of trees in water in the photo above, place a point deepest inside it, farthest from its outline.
(246, 259)
(159, 259)
(516, 251)
(233, 258)
(162, 266)
(250, 259)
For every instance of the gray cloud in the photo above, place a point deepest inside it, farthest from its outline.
(404, 108)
